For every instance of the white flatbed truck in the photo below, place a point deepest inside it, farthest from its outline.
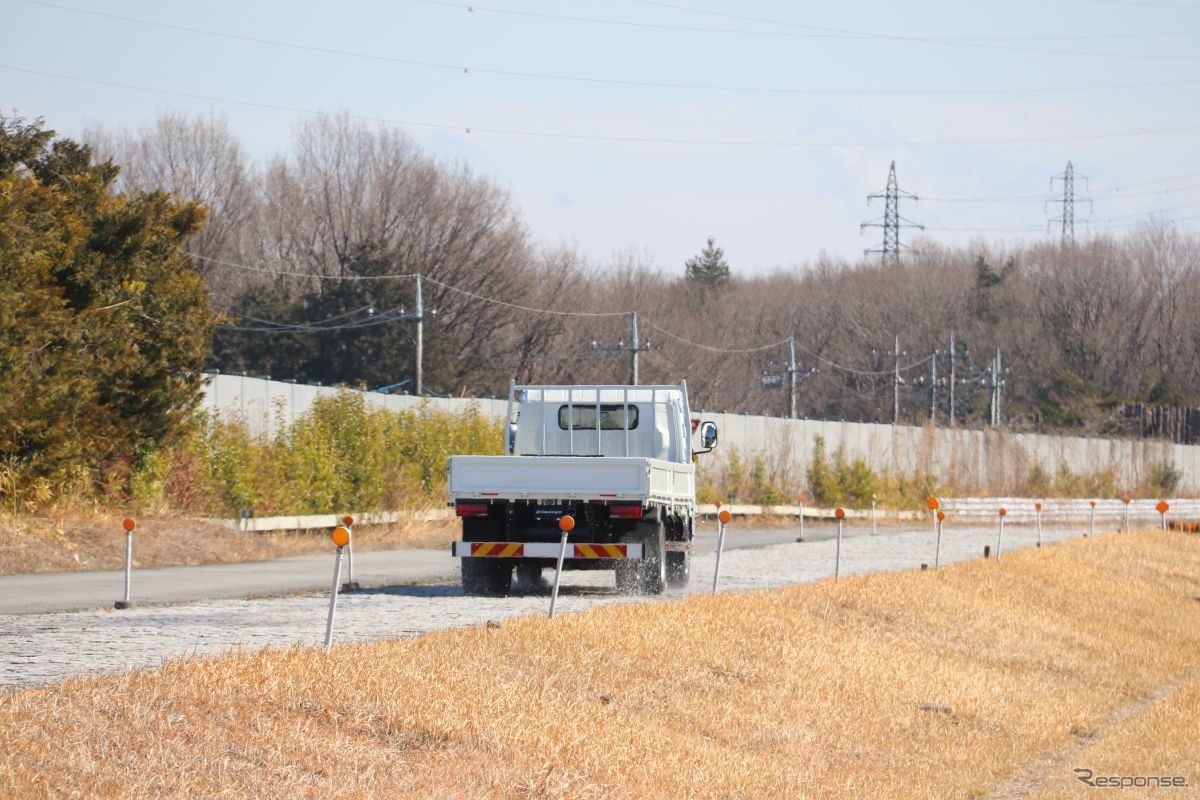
(618, 459)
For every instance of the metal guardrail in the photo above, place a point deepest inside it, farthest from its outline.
(1017, 509)
(1024, 509)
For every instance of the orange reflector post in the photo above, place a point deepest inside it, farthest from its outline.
(347, 520)
(566, 524)
(1162, 507)
(1003, 512)
(840, 513)
(932, 504)
(1038, 506)
(724, 516)
(340, 536)
(941, 515)
(128, 524)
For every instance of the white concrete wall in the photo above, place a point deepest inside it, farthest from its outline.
(976, 461)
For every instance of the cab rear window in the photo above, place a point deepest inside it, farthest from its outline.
(612, 417)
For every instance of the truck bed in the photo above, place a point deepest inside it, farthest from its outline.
(571, 478)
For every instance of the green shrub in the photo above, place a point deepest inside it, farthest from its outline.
(1164, 478)
(340, 456)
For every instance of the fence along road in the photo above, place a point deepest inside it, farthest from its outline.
(42, 648)
(975, 461)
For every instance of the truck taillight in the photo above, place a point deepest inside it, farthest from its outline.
(626, 511)
(471, 509)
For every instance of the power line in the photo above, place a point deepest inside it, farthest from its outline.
(303, 275)
(518, 307)
(937, 39)
(595, 137)
(711, 348)
(812, 32)
(467, 70)
(1110, 222)
(1111, 194)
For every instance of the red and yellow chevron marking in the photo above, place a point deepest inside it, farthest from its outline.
(497, 549)
(599, 551)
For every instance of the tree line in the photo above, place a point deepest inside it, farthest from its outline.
(300, 253)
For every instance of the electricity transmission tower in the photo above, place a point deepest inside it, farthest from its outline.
(891, 220)
(1068, 203)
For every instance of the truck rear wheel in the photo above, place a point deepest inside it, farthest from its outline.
(679, 562)
(486, 576)
(679, 569)
(649, 575)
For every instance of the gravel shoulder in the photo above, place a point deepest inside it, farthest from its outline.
(40, 648)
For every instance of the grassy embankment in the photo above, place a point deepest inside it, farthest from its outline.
(1049, 660)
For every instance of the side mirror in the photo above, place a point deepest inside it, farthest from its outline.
(708, 436)
(512, 437)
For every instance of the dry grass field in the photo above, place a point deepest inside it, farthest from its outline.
(1084, 654)
(72, 542)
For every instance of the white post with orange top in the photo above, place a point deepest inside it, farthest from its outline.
(341, 538)
(1037, 510)
(937, 553)
(1000, 535)
(1162, 508)
(1127, 501)
(129, 525)
(1092, 520)
(837, 561)
(348, 524)
(932, 504)
(566, 524)
(723, 519)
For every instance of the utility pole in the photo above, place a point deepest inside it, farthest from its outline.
(791, 377)
(933, 387)
(999, 384)
(420, 317)
(419, 305)
(996, 382)
(1068, 203)
(952, 380)
(634, 347)
(896, 382)
(891, 220)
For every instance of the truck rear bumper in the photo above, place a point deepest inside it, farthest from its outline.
(575, 550)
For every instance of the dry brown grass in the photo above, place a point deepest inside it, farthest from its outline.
(72, 542)
(814, 691)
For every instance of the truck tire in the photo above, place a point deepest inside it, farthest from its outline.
(649, 575)
(679, 569)
(486, 577)
(679, 563)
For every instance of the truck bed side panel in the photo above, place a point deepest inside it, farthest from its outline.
(556, 477)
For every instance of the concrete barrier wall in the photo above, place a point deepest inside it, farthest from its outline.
(991, 461)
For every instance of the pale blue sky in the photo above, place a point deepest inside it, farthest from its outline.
(783, 175)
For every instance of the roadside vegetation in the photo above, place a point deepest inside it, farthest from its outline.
(920, 684)
(834, 479)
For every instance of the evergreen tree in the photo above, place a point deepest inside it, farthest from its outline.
(709, 267)
(104, 324)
